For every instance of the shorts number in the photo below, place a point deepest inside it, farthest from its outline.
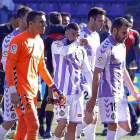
(113, 106)
(86, 95)
(12, 108)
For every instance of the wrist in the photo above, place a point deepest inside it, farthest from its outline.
(12, 89)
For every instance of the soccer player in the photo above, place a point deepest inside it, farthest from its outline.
(110, 67)
(132, 63)
(26, 52)
(96, 17)
(54, 18)
(65, 18)
(69, 61)
(10, 115)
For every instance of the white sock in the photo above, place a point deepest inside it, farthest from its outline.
(80, 128)
(120, 133)
(3, 132)
(12, 131)
(56, 138)
(111, 135)
(105, 128)
(90, 132)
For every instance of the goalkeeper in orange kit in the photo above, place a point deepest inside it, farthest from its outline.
(26, 52)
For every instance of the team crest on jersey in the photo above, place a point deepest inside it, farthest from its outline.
(61, 113)
(4, 54)
(131, 36)
(113, 116)
(13, 115)
(58, 45)
(100, 60)
(79, 115)
(28, 106)
(79, 55)
(14, 49)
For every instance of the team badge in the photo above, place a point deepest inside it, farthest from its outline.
(79, 115)
(113, 116)
(4, 54)
(14, 48)
(100, 60)
(28, 106)
(61, 113)
(58, 45)
(13, 115)
(131, 36)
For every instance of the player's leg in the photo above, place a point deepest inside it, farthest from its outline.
(91, 129)
(21, 129)
(124, 118)
(71, 131)
(32, 123)
(10, 115)
(49, 111)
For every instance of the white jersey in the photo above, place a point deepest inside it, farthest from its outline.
(94, 42)
(5, 47)
(111, 58)
(69, 61)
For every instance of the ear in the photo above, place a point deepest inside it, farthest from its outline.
(30, 23)
(66, 33)
(18, 19)
(115, 31)
(91, 19)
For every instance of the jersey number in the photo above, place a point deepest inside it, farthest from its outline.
(113, 106)
(86, 95)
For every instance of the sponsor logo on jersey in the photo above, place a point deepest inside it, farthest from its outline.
(14, 48)
(13, 115)
(61, 113)
(28, 106)
(58, 45)
(79, 115)
(113, 116)
(100, 60)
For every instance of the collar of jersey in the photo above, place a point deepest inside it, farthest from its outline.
(112, 40)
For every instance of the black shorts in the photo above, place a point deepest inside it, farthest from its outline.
(2, 77)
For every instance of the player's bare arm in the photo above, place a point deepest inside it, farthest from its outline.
(130, 86)
(95, 83)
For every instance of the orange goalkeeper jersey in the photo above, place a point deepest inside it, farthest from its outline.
(26, 51)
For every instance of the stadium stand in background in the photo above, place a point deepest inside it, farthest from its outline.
(79, 8)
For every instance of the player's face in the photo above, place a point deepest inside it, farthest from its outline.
(65, 20)
(14, 23)
(122, 34)
(39, 24)
(99, 22)
(72, 35)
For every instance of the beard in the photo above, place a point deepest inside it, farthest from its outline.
(118, 38)
(69, 41)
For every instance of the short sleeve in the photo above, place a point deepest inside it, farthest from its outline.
(101, 57)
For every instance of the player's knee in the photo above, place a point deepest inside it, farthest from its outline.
(8, 125)
(62, 124)
(34, 127)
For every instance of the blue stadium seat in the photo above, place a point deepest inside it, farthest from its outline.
(109, 0)
(68, 7)
(50, 7)
(15, 8)
(75, 20)
(27, 0)
(117, 10)
(102, 5)
(83, 9)
(125, 0)
(34, 6)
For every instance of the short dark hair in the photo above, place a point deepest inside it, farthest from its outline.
(120, 21)
(65, 14)
(14, 16)
(128, 17)
(107, 23)
(95, 11)
(55, 17)
(74, 26)
(32, 15)
(22, 10)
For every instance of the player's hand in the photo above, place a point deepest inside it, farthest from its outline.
(54, 101)
(136, 96)
(83, 42)
(15, 100)
(90, 105)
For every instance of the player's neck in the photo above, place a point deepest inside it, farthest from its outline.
(33, 32)
(20, 29)
(90, 28)
(115, 39)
